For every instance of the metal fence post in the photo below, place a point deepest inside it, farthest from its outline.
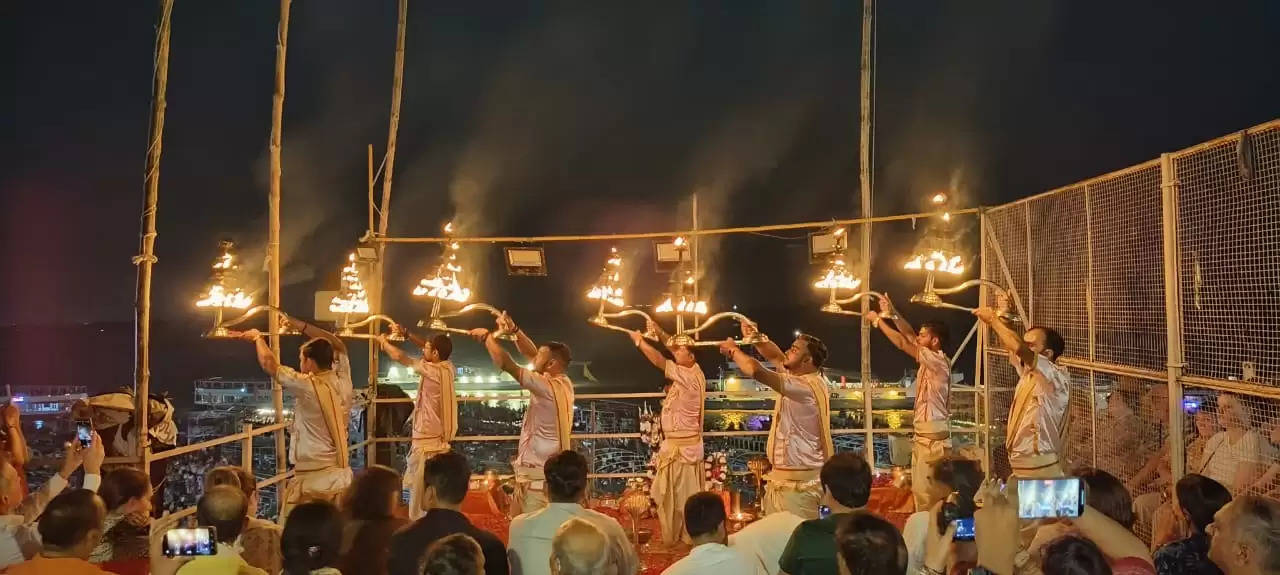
(246, 448)
(1173, 313)
(980, 376)
(1092, 328)
(1031, 268)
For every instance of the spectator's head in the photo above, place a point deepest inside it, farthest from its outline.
(126, 490)
(1233, 413)
(439, 348)
(1044, 341)
(1107, 494)
(312, 538)
(869, 545)
(806, 354)
(1245, 536)
(704, 518)
(1197, 498)
(846, 481)
(552, 357)
(225, 508)
(579, 548)
(955, 475)
(315, 356)
(237, 477)
(72, 523)
(566, 474)
(10, 486)
(1206, 420)
(1157, 403)
(445, 479)
(456, 554)
(933, 335)
(374, 495)
(1126, 398)
(1073, 555)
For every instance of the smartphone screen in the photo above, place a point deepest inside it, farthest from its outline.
(964, 529)
(823, 511)
(1050, 498)
(84, 432)
(193, 542)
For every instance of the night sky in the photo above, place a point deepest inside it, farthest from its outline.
(560, 117)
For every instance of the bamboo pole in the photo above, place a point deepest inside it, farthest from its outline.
(864, 180)
(146, 257)
(273, 241)
(1173, 314)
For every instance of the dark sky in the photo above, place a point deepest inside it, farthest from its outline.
(571, 117)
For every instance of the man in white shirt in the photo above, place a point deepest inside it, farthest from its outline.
(579, 548)
(704, 519)
(1038, 418)
(800, 437)
(19, 537)
(549, 418)
(765, 539)
(322, 391)
(531, 535)
(931, 423)
(679, 472)
(435, 411)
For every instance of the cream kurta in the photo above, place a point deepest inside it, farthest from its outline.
(1038, 415)
(682, 408)
(311, 445)
(933, 392)
(540, 432)
(798, 430)
(429, 417)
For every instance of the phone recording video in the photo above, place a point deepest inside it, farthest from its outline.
(964, 530)
(1050, 498)
(84, 432)
(191, 542)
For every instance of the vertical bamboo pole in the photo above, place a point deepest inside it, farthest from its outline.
(146, 257)
(1173, 313)
(371, 449)
(273, 241)
(369, 162)
(864, 180)
(397, 87)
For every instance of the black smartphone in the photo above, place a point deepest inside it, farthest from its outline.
(1050, 498)
(84, 432)
(190, 542)
(964, 530)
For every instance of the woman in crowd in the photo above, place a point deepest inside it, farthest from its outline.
(1126, 449)
(456, 554)
(1196, 499)
(948, 475)
(1107, 522)
(1234, 456)
(127, 494)
(373, 512)
(312, 539)
(1074, 555)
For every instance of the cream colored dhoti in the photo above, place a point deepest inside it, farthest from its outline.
(530, 491)
(415, 473)
(796, 490)
(674, 480)
(925, 451)
(326, 484)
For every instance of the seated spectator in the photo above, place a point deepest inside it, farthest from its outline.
(1244, 538)
(704, 520)
(19, 538)
(1074, 555)
(579, 547)
(222, 507)
(446, 478)
(1196, 498)
(1107, 522)
(1127, 450)
(70, 529)
(311, 540)
(1234, 456)
(948, 475)
(846, 487)
(259, 542)
(531, 533)
(1158, 473)
(455, 554)
(869, 545)
(763, 541)
(372, 509)
(127, 493)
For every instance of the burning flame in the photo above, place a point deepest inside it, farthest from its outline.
(351, 297)
(608, 288)
(937, 261)
(680, 242)
(218, 294)
(684, 306)
(838, 278)
(444, 284)
(612, 295)
(939, 198)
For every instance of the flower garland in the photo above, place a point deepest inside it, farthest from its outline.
(715, 470)
(650, 427)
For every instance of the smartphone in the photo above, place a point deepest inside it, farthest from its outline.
(823, 511)
(964, 529)
(404, 496)
(190, 542)
(84, 432)
(1050, 498)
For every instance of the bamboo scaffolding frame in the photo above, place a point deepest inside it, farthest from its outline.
(273, 208)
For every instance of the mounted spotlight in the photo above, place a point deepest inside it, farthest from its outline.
(525, 261)
(827, 244)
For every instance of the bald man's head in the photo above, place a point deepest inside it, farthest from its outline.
(223, 507)
(579, 548)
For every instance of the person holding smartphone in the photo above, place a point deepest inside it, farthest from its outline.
(19, 536)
